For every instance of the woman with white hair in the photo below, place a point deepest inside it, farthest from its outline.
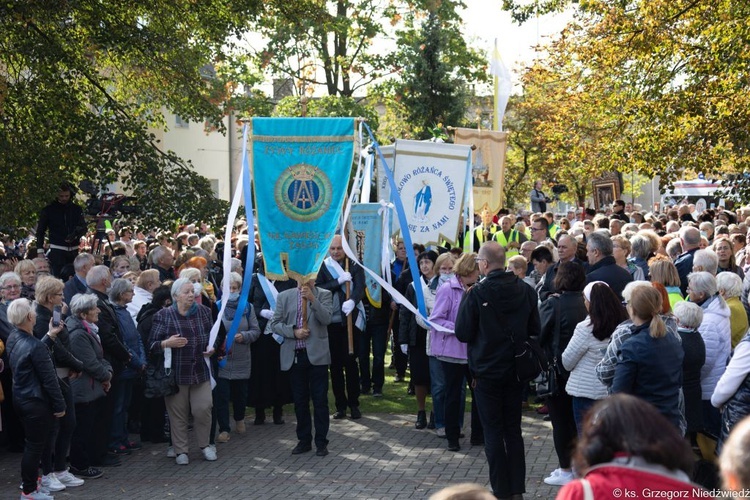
(37, 398)
(689, 318)
(730, 289)
(184, 328)
(120, 295)
(716, 332)
(90, 388)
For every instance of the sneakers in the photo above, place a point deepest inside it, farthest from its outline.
(377, 394)
(90, 473)
(239, 426)
(133, 445)
(223, 437)
(209, 453)
(68, 479)
(120, 450)
(36, 495)
(170, 452)
(440, 432)
(50, 482)
(182, 459)
(559, 477)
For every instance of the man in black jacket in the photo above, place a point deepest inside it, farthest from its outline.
(99, 280)
(497, 311)
(344, 366)
(66, 224)
(602, 265)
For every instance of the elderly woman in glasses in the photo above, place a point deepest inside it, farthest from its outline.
(10, 290)
(49, 297)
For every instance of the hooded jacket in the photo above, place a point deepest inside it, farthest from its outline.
(497, 308)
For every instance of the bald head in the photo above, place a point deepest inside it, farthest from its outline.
(335, 250)
(493, 255)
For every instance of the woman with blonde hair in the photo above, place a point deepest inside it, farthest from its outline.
(664, 271)
(27, 271)
(650, 364)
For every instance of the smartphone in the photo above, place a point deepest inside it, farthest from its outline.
(56, 316)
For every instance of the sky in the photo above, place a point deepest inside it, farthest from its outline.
(486, 21)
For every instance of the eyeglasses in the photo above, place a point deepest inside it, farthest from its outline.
(11, 287)
(537, 229)
(477, 259)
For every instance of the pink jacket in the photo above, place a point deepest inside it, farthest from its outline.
(444, 313)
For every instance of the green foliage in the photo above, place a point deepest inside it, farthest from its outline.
(81, 84)
(438, 65)
(659, 86)
(329, 43)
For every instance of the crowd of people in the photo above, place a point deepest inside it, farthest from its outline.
(643, 317)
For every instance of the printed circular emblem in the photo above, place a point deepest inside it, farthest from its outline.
(303, 192)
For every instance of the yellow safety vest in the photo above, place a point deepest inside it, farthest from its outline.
(479, 231)
(553, 229)
(503, 241)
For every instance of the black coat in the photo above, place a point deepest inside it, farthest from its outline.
(497, 307)
(695, 357)
(115, 350)
(34, 377)
(572, 312)
(608, 271)
(357, 288)
(60, 349)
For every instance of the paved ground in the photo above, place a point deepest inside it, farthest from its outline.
(378, 457)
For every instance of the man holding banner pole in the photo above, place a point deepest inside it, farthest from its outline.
(344, 366)
(301, 317)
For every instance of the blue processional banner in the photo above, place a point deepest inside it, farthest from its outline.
(366, 240)
(301, 169)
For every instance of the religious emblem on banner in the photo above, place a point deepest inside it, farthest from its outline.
(303, 192)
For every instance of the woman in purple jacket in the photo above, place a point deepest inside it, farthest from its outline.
(446, 348)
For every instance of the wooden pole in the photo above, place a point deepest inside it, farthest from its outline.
(304, 312)
(349, 325)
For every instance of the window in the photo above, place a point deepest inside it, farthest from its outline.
(180, 122)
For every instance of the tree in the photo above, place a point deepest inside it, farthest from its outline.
(329, 43)
(82, 84)
(438, 67)
(659, 86)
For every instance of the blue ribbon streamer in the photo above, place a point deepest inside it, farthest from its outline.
(413, 266)
(247, 279)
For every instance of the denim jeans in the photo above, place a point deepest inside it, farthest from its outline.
(310, 382)
(375, 335)
(580, 407)
(122, 393)
(226, 390)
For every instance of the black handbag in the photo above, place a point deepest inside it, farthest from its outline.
(530, 359)
(549, 382)
(160, 381)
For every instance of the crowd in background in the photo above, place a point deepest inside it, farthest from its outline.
(654, 305)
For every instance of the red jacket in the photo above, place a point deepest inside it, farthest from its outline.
(619, 482)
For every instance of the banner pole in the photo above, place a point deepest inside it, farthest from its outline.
(349, 325)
